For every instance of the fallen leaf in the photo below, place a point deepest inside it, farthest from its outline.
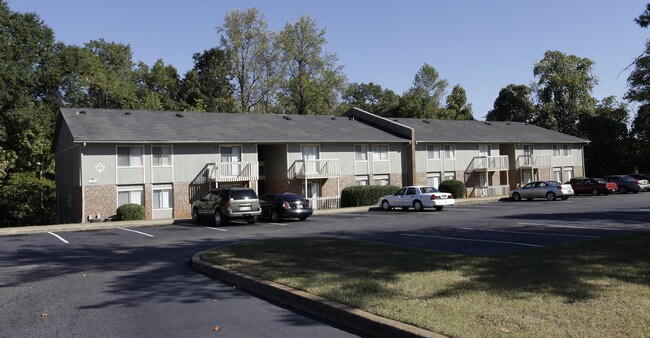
(44, 314)
(218, 328)
(505, 329)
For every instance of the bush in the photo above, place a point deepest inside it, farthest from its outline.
(364, 195)
(455, 187)
(130, 212)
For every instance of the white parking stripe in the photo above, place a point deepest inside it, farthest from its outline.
(280, 224)
(218, 229)
(59, 237)
(530, 233)
(569, 226)
(137, 232)
(474, 240)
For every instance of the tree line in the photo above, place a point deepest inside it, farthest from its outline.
(253, 69)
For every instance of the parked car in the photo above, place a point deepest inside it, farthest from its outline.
(224, 204)
(644, 181)
(594, 186)
(278, 206)
(542, 189)
(418, 197)
(625, 183)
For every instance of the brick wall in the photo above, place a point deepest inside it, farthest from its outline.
(100, 199)
(182, 201)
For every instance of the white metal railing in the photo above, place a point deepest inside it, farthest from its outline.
(327, 202)
(495, 190)
(533, 161)
(489, 163)
(234, 171)
(314, 169)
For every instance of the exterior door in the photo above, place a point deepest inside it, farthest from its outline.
(310, 155)
(527, 176)
(484, 150)
(231, 154)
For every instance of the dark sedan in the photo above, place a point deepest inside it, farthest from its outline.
(278, 206)
(594, 186)
(625, 183)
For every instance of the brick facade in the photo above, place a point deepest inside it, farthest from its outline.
(100, 199)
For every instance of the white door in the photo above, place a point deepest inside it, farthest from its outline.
(231, 154)
(484, 150)
(310, 155)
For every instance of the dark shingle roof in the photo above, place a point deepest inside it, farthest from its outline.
(113, 126)
(453, 131)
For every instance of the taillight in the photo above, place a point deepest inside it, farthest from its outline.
(433, 197)
(286, 205)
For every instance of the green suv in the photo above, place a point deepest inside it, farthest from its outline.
(224, 204)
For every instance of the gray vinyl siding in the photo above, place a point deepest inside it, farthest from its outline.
(99, 164)
(67, 166)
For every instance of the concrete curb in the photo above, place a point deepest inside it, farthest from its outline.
(341, 314)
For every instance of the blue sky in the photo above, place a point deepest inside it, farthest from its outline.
(481, 45)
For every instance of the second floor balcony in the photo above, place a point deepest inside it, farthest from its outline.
(489, 163)
(320, 168)
(533, 161)
(233, 171)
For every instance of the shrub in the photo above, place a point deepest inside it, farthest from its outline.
(455, 187)
(130, 212)
(365, 194)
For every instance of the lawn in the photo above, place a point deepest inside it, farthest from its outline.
(592, 288)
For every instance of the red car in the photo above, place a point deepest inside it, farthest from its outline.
(594, 186)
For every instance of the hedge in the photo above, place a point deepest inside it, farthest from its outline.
(364, 195)
(455, 187)
(130, 212)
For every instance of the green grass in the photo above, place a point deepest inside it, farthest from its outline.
(598, 288)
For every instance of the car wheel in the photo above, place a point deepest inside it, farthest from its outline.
(439, 208)
(622, 190)
(275, 217)
(195, 215)
(385, 206)
(218, 218)
(550, 196)
(594, 192)
(251, 220)
(516, 196)
(302, 218)
(417, 205)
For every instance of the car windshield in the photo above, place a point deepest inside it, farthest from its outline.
(243, 194)
(428, 190)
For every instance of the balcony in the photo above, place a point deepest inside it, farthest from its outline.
(310, 169)
(533, 161)
(233, 171)
(489, 163)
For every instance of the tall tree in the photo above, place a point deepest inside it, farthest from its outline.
(206, 87)
(312, 82)
(372, 98)
(563, 90)
(424, 98)
(248, 40)
(457, 107)
(514, 103)
(158, 86)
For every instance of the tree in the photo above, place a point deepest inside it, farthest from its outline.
(563, 90)
(311, 81)
(457, 107)
(423, 99)
(206, 87)
(248, 40)
(514, 104)
(158, 87)
(644, 19)
(372, 98)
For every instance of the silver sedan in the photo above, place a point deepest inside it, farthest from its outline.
(542, 189)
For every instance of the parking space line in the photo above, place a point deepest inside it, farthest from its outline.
(137, 232)
(218, 229)
(280, 224)
(570, 226)
(59, 237)
(531, 233)
(474, 240)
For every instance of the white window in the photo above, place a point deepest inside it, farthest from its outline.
(433, 180)
(566, 150)
(450, 152)
(310, 156)
(380, 180)
(380, 152)
(162, 156)
(231, 154)
(556, 150)
(163, 197)
(360, 152)
(129, 156)
(433, 152)
(361, 180)
(557, 174)
(528, 149)
(450, 175)
(568, 174)
(484, 150)
(130, 195)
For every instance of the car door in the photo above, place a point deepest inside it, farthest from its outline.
(409, 197)
(540, 190)
(397, 200)
(266, 203)
(204, 203)
(527, 191)
(580, 187)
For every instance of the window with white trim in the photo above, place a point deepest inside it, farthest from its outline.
(568, 174)
(129, 156)
(450, 152)
(361, 180)
(433, 180)
(161, 156)
(360, 152)
(557, 174)
(163, 196)
(566, 150)
(380, 180)
(433, 151)
(380, 152)
(130, 195)
(450, 175)
(556, 150)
